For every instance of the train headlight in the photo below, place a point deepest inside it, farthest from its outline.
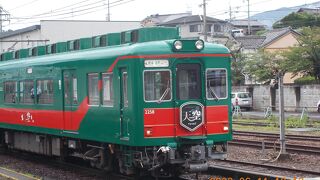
(199, 44)
(148, 132)
(177, 45)
(226, 128)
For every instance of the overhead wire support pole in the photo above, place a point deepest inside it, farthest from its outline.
(108, 18)
(249, 26)
(282, 154)
(204, 21)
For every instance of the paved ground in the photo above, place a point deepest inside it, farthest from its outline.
(261, 114)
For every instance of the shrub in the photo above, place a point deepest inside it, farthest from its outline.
(306, 80)
(295, 122)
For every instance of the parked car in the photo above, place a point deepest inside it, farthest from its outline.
(318, 105)
(241, 99)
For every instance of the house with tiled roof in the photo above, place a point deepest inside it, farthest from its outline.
(271, 41)
(192, 27)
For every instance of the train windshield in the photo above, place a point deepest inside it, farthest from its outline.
(216, 83)
(188, 81)
(157, 85)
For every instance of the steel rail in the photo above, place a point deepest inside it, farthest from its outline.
(268, 144)
(268, 166)
(273, 135)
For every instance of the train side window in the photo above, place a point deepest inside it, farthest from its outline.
(27, 92)
(216, 83)
(44, 92)
(10, 92)
(157, 85)
(125, 89)
(75, 90)
(107, 94)
(93, 89)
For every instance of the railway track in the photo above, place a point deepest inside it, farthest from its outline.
(276, 136)
(260, 124)
(70, 165)
(275, 145)
(270, 167)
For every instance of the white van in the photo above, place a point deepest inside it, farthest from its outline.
(242, 99)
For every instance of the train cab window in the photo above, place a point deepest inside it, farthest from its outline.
(188, 81)
(93, 82)
(107, 94)
(44, 92)
(216, 83)
(27, 92)
(10, 92)
(157, 85)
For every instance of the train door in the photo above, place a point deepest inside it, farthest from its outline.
(189, 99)
(124, 119)
(70, 97)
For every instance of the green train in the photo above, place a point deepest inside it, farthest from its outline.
(139, 101)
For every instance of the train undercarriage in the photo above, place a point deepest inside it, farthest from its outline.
(159, 161)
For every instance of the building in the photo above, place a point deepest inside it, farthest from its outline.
(156, 19)
(271, 41)
(255, 25)
(315, 11)
(192, 27)
(281, 40)
(52, 31)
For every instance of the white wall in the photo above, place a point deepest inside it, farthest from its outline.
(57, 31)
(32, 35)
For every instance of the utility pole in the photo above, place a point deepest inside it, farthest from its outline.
(204, 21)
(249, 26)
(230, 13)
(283, 154)
(5, 14)
(108, 15)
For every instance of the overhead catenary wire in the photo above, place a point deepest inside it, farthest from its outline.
(23, 5)
(72, 14)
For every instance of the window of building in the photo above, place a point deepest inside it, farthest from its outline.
(209, 28)
(107, 98)
(27, 92)
(44, 91)
(157, 85)
(93, 89)
(217, 28)
(216, 83)
(10, 92)
(195, 28)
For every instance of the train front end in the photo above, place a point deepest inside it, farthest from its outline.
(186, 108)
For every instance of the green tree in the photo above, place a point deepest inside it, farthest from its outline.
(265, 66)
(237, 67)
(305, 57)
(297, 20)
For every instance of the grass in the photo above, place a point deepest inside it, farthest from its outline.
(291, 122)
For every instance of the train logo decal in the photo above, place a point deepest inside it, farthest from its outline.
(191, 115)
(27, 117)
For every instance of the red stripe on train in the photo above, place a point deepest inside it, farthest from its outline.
(52, 119)
(164, 122)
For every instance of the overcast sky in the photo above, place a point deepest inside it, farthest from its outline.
(28, 12)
